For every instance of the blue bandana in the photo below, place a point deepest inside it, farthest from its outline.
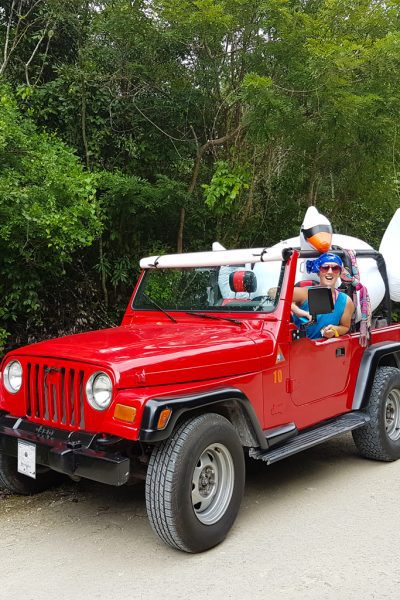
(313, 266)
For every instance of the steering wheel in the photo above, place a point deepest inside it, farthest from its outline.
(262, 300)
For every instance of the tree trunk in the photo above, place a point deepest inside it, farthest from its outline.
(83, 125)
(102, 273)
(180, 230)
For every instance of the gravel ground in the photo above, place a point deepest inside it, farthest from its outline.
(323, 524)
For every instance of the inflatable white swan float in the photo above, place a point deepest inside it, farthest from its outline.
(316, 234)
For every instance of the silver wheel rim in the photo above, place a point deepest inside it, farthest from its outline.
(392, 415)
(212, 484)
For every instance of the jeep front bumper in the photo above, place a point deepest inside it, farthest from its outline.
(72, 453)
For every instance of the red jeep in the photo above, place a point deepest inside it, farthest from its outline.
(204, 368)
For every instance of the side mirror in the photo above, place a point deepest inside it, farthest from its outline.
(320, 301)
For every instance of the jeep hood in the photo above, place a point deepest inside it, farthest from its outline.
(158, 353)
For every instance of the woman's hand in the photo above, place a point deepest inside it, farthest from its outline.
(272, 292)
(330, 331)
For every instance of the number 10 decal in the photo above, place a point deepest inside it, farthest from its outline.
(278, 377)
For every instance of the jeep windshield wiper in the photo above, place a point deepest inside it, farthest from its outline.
(205, 316)
(154, 303)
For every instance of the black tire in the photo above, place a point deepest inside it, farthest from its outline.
(205, 450)
(380, 438)
(22, 485)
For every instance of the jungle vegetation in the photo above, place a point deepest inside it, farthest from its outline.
(134, 127)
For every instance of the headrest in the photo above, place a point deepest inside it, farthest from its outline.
(243, 281)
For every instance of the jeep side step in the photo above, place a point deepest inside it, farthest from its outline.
(312, 437)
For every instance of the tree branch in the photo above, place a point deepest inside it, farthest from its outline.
(201, 150)
(32, 56)
(6, 56)
(46, 51)
(207, 146)
(83, 124)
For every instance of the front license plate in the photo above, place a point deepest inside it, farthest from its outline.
(27, 459)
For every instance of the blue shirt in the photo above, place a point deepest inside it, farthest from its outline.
(333, 318)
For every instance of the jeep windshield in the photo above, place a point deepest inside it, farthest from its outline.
(235, 288)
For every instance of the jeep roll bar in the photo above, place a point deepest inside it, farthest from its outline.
(386, 304)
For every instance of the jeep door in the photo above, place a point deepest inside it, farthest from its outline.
(320, 376)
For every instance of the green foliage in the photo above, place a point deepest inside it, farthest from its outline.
(137, 212)
(138, 217)
(226, 185)
(3, 338)
(164, 289)
(47, 210)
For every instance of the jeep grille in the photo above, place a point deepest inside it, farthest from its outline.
(54, 395)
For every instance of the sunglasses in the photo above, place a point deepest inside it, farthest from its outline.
(334, 268)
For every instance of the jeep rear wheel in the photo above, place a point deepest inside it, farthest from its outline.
(380, 438)
(20, 484)
(195, 482)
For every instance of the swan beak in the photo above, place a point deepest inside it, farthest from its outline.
(321, 241)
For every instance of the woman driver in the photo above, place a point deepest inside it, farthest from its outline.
(329, 267)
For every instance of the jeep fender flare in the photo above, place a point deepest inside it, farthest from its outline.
(231, 402)
(386, 353)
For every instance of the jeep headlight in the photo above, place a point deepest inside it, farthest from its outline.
(12, 376)
(99, 390)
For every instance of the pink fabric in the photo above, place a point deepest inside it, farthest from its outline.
(365, 304)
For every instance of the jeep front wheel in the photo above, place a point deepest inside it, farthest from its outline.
(195, 482)
(380, 438)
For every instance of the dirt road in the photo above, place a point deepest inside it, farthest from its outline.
(324, 524)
